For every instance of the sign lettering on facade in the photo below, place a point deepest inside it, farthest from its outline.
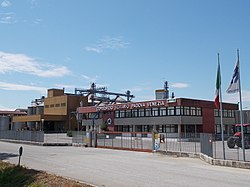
(131, 106)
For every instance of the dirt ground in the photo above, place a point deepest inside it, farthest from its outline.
(12, 175)
(50, 180)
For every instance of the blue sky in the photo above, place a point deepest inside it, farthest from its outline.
(123, 45)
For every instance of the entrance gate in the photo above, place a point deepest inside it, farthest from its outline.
(136, 141)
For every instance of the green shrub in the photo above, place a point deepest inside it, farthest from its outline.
(104, 126)
(69, 133)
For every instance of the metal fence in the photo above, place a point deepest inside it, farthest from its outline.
(37, 136)
(57, 138)
(235, 153)
(80, 137)
(209, 144)
(188, 143)
(138, 141)
(32, 136)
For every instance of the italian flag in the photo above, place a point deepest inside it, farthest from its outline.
(218, 85)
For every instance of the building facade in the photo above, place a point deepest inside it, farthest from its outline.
(245, 117)
(176, 115)
(57, 113)
(7, 116)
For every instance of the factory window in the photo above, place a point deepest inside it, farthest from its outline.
(178, 111)
(163, 111)
(134, 113)
(52, 105)
(193, 111)
(141, 113)
(117, 114)
(163, 128)
(198, 110)
(233, 113)
(160, 128)
(224, 113)
(155, 112)
(171, 111)
(230, 113)
(138, 128)
(148, 112)
(63, 104)
(57, 105)
(122, 114)
(186, 111)
(216, 113)
(128, 114)
(172, 128)
(46, 106)
(125, 128)
(147, 128)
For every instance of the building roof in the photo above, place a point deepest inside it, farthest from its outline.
(8, 112)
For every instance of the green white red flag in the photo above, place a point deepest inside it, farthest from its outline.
(218, 86)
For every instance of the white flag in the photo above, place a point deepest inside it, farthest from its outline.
(235, 83)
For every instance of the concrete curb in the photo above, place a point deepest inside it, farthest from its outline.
(209, 160)
(227, 163)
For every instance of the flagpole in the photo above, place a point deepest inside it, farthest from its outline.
(221, 114)
(241, 116)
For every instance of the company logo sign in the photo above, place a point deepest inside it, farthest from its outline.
(131, 106)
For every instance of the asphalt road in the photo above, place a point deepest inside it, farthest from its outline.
(112, 168)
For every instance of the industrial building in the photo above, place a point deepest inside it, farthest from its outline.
(173, 115)
(164, 114)
(58, 111)
(6, 117)
(87, 109)
(53, 113)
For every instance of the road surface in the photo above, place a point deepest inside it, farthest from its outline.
(112, 168)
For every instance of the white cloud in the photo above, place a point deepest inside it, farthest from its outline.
(38, 21)
(94, 49)
(8, 18)
(113, 43)
(64, 86)
(90, 79)
(140, 89)
(5, 4)
(22, 63)
(179, 85)
(20, 87)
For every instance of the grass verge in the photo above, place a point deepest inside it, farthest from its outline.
(12, 175)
